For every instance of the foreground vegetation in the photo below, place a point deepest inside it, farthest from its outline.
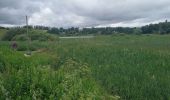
(130, 67)
(41, 76)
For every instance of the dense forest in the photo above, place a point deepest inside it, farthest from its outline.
(159, 28)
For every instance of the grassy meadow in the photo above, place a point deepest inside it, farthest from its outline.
(125, 67)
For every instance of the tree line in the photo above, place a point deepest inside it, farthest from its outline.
(160, 28)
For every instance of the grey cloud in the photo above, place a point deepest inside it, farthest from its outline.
(84, 13)
(14, 11)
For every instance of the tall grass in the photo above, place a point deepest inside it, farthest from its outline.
(36, 77)
(128, 67)
(133, 67)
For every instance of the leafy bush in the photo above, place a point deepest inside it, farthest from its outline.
(19, 34)
(22, 47)
(21, 37)
(43, 37)
(10, 35)
(34, 45)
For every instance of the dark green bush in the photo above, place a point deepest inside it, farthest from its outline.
(20, 34)
(32, 47)
(10, 35)
(43, 37)
(22, 37)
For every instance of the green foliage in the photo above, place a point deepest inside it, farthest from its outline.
(9, 36)
(20, 34)
(22, 37)
(42, 36)
(160, 28)
(35, 45)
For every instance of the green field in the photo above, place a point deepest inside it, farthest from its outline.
(125, 67)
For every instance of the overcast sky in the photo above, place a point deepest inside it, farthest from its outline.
(84, 13)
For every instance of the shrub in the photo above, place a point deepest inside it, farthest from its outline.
(19, 34)
(10, 35)
(21, 37)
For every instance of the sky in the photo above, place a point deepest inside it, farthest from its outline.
(84, 13)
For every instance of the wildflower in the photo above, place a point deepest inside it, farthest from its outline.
(14, 45)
